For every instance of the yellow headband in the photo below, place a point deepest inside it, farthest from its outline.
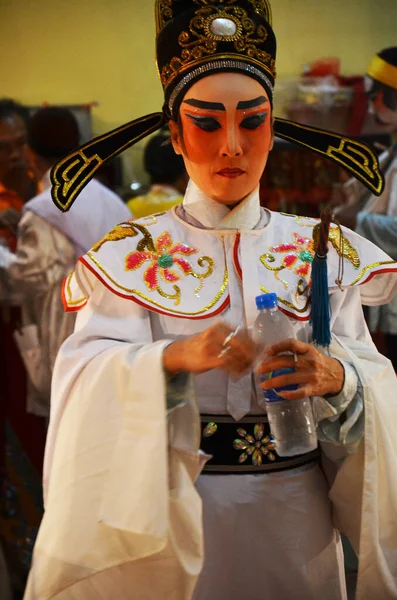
(383, 72)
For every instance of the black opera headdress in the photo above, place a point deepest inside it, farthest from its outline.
(196, 38)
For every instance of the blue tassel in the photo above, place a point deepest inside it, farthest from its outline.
(320, 317)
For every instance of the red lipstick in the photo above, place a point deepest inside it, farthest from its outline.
(232, 173)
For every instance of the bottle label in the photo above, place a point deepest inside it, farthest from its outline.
(272, 395)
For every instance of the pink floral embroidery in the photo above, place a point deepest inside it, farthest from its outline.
(298, 255)
(165, 255)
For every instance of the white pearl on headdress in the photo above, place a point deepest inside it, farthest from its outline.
(223, 27)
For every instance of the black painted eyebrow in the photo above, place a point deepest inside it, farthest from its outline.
(203, 104)
(244, 104)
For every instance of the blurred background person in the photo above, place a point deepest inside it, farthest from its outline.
(16, 182)
(168, 178)
(48, 244)
(376, 218)
(16, 186)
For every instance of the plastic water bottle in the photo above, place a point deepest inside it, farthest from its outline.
(291, 421)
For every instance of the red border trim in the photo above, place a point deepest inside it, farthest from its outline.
(380, 272)
(66, 307)
(219, 310)
(235, 256)
(294, 315)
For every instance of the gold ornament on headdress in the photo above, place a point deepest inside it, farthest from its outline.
(164, 12)
(211, 24)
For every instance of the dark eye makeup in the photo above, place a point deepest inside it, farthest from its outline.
(254, 121)
(205, 123)
(211, 124)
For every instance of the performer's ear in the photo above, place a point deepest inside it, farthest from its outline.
(176, 136)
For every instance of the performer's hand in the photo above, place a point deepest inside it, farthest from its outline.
(315, 373)
(218, 347)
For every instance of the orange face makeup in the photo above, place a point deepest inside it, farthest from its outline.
(226, 135)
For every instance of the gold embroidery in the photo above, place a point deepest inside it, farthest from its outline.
(70, 293)
(153, 302)
(342, 245)
(162, 255)
(153, 218)
(176, 297)
(201, 262)
(200, 41)
(369, 267)
(163, 14)
(289, 304)
(298, 257)
(263, 8)
(120, 232)
(275, 270)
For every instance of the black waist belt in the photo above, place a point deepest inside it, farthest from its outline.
(244, 447)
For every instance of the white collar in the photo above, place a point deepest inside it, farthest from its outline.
(213, 215)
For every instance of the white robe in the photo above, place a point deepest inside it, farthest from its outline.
(124, 521)
(377, 222)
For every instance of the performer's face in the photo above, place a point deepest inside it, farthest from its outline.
(224, 134)
(12, 146)
(386, 117)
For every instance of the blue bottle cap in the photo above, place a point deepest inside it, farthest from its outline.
(266, 301)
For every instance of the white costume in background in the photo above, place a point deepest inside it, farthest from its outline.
(48, 245)
(123, 517)
(377, 222)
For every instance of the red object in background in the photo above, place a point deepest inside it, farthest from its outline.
(297, 181)
(323, 68)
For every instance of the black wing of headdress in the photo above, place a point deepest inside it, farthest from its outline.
(70, 175)
(354, 156)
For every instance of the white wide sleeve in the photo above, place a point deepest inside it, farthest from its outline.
(363, 488)
(119, 472)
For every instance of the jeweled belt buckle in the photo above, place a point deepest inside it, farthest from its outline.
(244, 447)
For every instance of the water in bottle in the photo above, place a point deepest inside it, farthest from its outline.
(291, 421)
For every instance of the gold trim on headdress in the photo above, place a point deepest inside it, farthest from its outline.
(71, 174)
(164, 12)
(383, 72)
(201, 42)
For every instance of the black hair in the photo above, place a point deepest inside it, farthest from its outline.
(9, 107)
(160, 160)
(389, 55)
(53, 133)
